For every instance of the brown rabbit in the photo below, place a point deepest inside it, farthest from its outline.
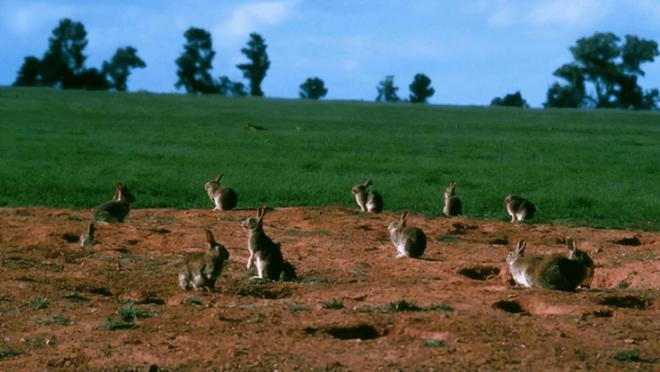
(518, 208)
(116, 209)
(550, 271)
(453, 205)
(409, 241)
(369, 201)
(202, 269)
(268, 255)
(224, 198)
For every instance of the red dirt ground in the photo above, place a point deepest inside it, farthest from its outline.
(478, 323)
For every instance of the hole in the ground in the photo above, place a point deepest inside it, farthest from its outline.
(499, 241)
(602, 313)
(101, 291)
(71, 238)
(362, 332)
(479, 272)
(627, 302)
(633, 242)
(152, 300)
(512, 307)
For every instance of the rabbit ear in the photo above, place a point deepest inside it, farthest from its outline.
(120, 186)
(520, 247)
(368, 183)
(219, 177)
(209, 237)
(570, 244)
(262, 213)
(404, 217)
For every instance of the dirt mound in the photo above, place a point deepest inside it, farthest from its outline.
(354, 306)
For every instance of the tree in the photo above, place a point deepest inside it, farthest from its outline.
(313, 88)
(119, 67)
(387, 90)
(30, 73)
(255, 70)
(512, 100)
(420, 89)
(195, 63)
(612, 69)
(226, 87)
(64, 58)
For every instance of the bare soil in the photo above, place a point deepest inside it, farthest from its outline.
(354, 307)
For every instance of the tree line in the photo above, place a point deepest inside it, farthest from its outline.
(604, 72)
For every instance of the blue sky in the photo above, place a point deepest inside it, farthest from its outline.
(473, 50)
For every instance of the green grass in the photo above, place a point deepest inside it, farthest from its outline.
(69, 148)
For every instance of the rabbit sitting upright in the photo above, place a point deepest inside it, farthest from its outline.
(202, 269)
(268, 255)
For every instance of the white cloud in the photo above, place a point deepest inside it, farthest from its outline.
(21, 18)
(568, 12)
(247, 18)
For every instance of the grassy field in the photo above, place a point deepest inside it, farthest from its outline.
(68, 149)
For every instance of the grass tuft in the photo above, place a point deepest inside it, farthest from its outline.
(39, 303)
(335, 304)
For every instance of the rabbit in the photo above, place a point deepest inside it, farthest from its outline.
(202, 269)
(408, 241)
(117, 209)
(550, 271)
(224, 198)
(369, 201)
(453, 205)
(519, 208)
(87, 238)
(268, 255)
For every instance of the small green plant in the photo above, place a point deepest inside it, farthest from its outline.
(581, 354)
(335, 304)
(119, 324)
(434, 343)
(296, 308)
(56, 319)
(7, 352)
(192, 300)
(403, 305)
(440, 307)
(39, 303)
(628, 356)
(130, 312)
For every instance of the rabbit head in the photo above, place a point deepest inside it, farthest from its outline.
(397, 227)
(517, 252)
(255, 224)
(215, 248)
(122, 194)
(582, 257)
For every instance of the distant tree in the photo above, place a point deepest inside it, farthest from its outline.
(313, 88)
(63, 63)
(612, 69)
(30, 73)
(387, 90)
(119, 67)
(513, 100)
(571, 95)
(195, 63)
(420, 89)
(255, 70)
(64, 58)
(227, 87)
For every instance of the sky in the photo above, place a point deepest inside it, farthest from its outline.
(472, 50)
